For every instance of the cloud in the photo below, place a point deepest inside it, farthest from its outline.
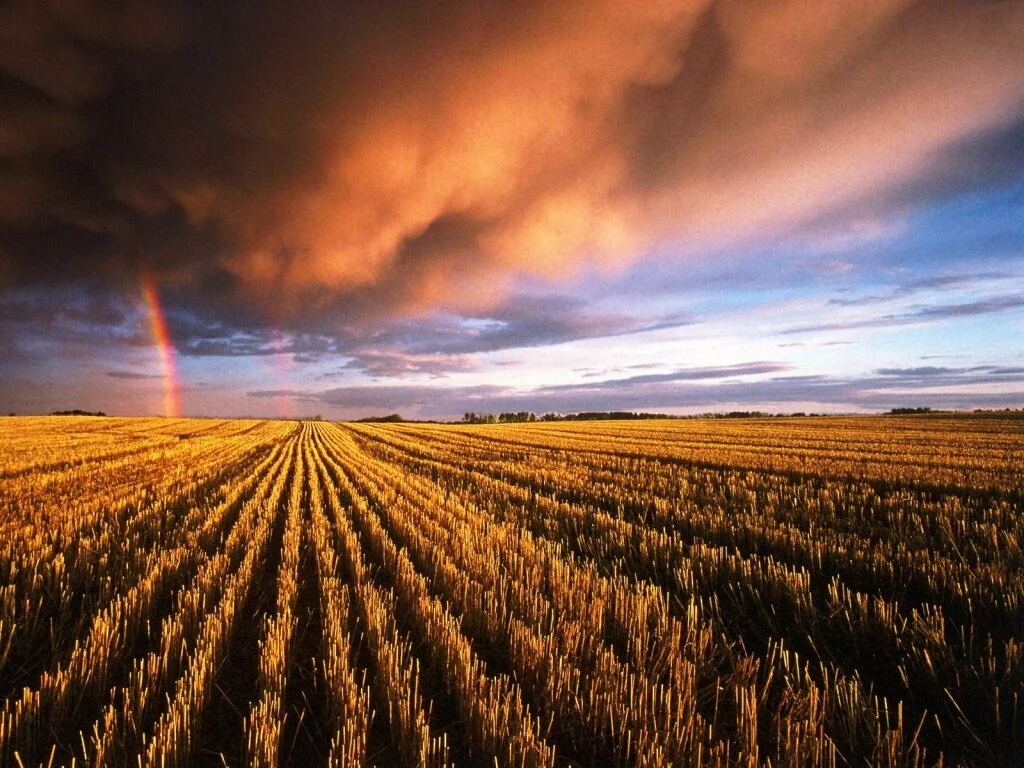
(391, 159)
(927, 370)
(297, 394)
(443, 343)
(257, 342)
(683, 374)
(70, 322)
(698, 389)
(397, 364)
(988, 305)
(438, 345)
(530, 321)
(421, 399)
(929, 284)
(132, 375)
(846, 237)
(975, 374)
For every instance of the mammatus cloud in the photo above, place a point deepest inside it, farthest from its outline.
(392, 158)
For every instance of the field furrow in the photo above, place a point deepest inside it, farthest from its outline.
(794, 592)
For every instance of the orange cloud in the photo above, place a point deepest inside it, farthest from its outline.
(416, 155)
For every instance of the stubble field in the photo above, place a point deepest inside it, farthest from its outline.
(784, 592)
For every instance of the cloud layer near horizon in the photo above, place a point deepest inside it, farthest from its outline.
(397, 157)
(713, 389)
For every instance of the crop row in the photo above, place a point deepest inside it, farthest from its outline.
(539, 595)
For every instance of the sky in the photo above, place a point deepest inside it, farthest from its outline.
(350, 209)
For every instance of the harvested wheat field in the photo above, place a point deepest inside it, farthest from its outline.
(784, 592)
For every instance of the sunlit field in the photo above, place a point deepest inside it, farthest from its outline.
(784, 592)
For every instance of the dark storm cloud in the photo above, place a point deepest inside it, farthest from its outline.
(988, 158)
(437, 344)
(448, 343)
(531, 321)
(303, 348)
(528, 321)
(84, 309)
(392, 158)
(72, 321)
(520, 321)
(984, 159)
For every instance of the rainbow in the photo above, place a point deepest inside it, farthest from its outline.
(172, 399)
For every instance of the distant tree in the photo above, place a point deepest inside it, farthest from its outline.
(519, 417)
(390, 418)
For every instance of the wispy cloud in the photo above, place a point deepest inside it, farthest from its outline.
(1004, 303)
(131, 375)
(680, 375)
(935, 283)
(695, 389)
(395, 364)
(296, 394)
